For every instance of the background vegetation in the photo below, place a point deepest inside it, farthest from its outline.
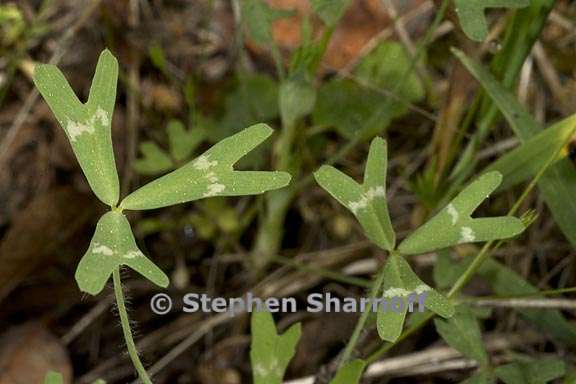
(328, 76)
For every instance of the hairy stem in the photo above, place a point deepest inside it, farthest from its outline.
(132, 351)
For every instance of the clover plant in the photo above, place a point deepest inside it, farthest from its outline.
(451, 226)
(88, 128)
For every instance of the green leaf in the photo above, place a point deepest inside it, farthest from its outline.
(480, 378)
(400, 281)
(296, 99)
(505, 282)
(558, 185)
(346, 106)
(471, 14)
(271, 353)
(112, 246)
(253, 100)
(540, 371)
(454, 225)
(367, 201)
(258, 18)
(360, 106)
(154, 160)
(446, 272)
(183, 142)
(56, 378)
(307, 56)
(88, 125)
(351, 373)
(384, 66)
(521, 122)
(158, 58)
(211, 174)
(330, 11)
(525, 161)
(462, 332)
(53, 378)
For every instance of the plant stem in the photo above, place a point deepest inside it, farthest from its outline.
(132, 351)
(374, 291)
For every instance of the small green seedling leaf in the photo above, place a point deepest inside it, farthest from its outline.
(154, 159)
(351, 373)
(211, 174)
(330, 11)
(463, 333)
(53, 378)
(271, 353)
(183, 142)
(401, 282)
(454, 225)
(540, 371)
(471, 14)
(112, 246)
(88, 125)
(367, 201)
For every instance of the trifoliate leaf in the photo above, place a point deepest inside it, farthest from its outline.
(463, 333)
(351, 373)
(211, 174)
(87, 125)
(471, 14)
(367, 201)
(271, 353)
(112, 246)
(454, 225)
(402, 283)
